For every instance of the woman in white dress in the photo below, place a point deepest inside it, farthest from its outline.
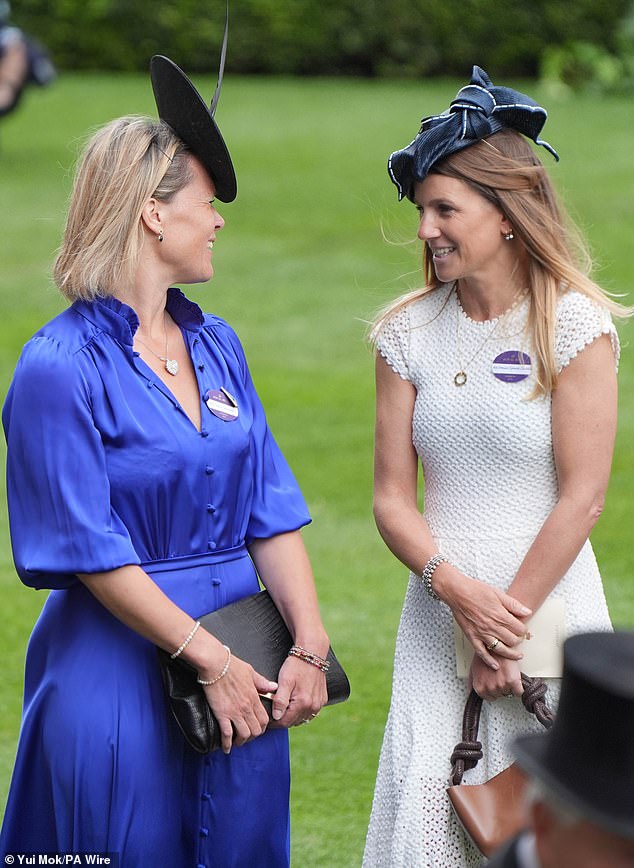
(499, 379)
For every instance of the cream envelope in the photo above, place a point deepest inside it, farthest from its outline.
(542, 652)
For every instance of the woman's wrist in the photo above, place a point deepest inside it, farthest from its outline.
(209, 682)
(206, 654)
(428, 571)
(186, 640)
(443, 581)
(312, 639)
(310, 657)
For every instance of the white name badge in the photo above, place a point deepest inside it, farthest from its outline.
(511, 366)
(222, 404)
(543, 651)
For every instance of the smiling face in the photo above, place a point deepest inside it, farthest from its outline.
(189, 222)
(464, 232)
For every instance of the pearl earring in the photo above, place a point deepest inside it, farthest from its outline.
(509, 235)
(160, 237)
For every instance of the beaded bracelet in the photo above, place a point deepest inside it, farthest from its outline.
(222, 674)
(189, 638)
(428, 572)
(309, 657)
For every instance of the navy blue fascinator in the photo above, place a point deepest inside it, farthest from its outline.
(478, 111)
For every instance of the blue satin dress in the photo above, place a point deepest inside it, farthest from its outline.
(105, 469)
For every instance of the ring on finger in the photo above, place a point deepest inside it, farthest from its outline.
(493, 645)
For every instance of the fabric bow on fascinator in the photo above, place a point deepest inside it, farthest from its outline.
(478, 111)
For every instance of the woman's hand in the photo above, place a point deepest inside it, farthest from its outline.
(235, 702)
(283, 567)
(484, 614)
(490, 685)
(301, 693)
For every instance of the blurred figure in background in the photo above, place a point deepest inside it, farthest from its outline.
(23, 61)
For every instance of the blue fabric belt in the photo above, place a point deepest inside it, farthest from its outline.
(183, 562)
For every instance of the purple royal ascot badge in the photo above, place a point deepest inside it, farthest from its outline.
(511, 366)
(222, 404)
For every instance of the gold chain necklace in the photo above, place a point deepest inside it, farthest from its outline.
(460, 378)
(171, 365)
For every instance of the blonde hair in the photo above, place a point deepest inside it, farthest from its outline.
(124, 164)
(505, 170)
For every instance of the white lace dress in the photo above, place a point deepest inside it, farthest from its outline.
(490, 483)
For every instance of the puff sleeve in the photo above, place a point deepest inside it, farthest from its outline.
(277, 505)
(60, 514)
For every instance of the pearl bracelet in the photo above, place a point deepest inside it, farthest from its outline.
(222, 674)
(309, 657)
(428, 572)
(189, 638)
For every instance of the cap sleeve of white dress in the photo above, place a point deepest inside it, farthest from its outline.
(580, 321)
(392, 342)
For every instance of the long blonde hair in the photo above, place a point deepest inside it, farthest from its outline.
(124, 164)
(505, 170)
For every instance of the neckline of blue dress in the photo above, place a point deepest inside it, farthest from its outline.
(117, 318)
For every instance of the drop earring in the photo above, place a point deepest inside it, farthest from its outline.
(509, 235)
(160, 237)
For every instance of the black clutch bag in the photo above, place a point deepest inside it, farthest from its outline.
(255, 631)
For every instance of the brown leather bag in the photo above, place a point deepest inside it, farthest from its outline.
(492, 812)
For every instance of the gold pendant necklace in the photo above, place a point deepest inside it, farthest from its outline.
(460, 378)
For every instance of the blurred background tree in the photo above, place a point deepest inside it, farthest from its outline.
(405, 38)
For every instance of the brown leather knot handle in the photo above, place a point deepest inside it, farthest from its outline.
(465, 756)
(468, 752)
(534, 700)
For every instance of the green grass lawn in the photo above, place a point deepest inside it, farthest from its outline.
(300, 266)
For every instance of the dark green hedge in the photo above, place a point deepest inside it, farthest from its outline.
(320, 37)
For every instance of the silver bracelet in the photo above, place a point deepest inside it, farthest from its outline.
(189, 638)
(221, 674)
(428, 572)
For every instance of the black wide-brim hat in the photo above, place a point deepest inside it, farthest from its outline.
(587, 759)
(185, 111)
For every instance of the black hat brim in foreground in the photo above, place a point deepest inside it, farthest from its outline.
(531, 755)
(587, 759)
(184, 110)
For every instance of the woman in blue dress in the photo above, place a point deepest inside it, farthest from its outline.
(145, 489)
